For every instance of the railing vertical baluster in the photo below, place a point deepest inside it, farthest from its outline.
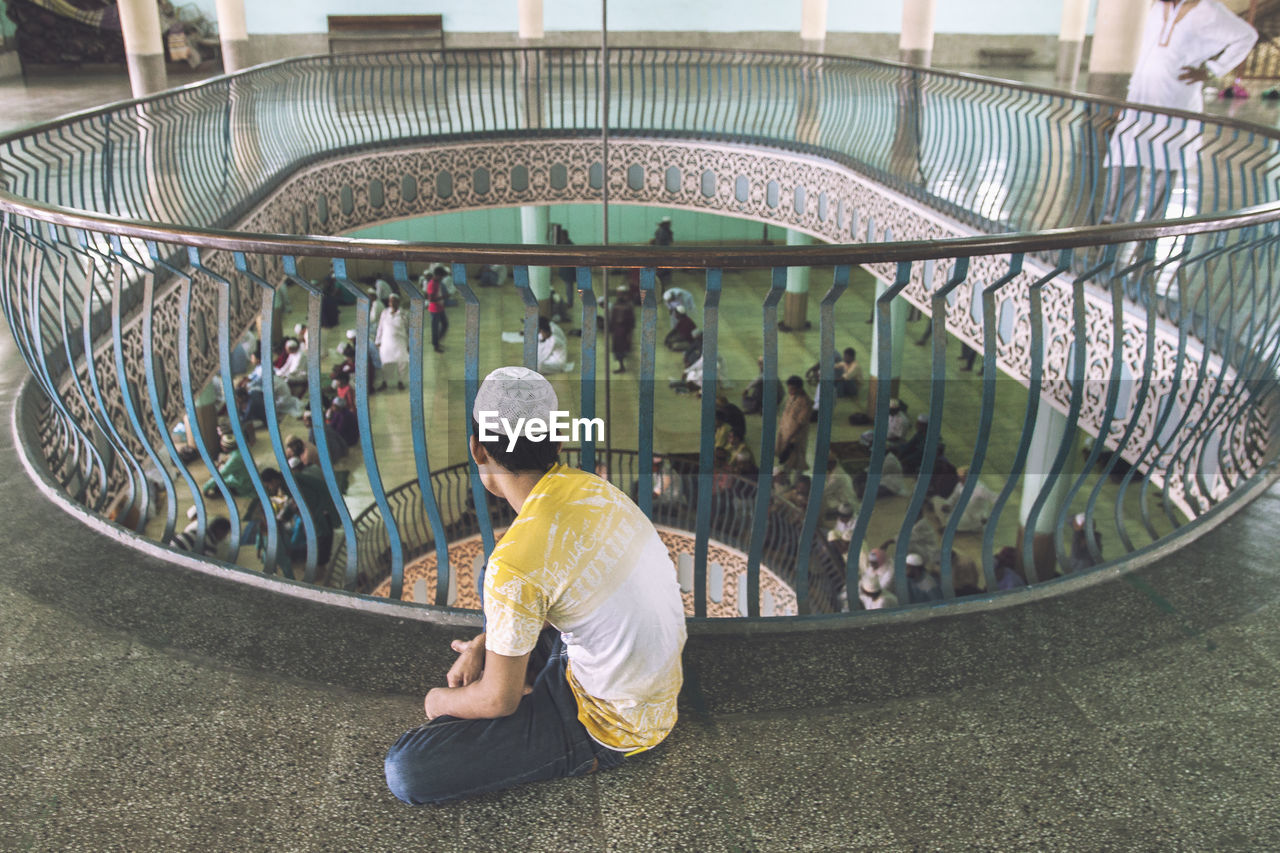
(418, 426)
(314, 350)
(648, 364)
(521, 277)
(706, 449)
(588, 371)
(768, 435)
(822, 447)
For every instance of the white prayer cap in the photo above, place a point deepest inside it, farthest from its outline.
(922, 418)
(516, 392)
(1079, 520)
(351, 334)
(297, 328)
(666, 219)
(915, 560)
(291, 346)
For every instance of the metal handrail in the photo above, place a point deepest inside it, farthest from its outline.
(65, 272)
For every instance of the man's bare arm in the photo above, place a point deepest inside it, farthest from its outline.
(496, 694)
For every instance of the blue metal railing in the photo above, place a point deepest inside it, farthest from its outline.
(1184, 309)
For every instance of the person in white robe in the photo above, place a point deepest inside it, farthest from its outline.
(677, 296)
(553, 348)
(392, 339)
(294, 369)
(1185, 43)
(976, 512)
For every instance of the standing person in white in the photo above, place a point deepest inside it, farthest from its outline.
(1184, 44)
(393, 343)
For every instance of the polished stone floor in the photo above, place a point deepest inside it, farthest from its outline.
(144, 707)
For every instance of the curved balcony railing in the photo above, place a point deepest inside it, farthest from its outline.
(1121, 267)
(732, 497)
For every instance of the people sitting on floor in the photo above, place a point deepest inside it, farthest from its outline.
(553, 348)
(682, 331)
(668, 487)
(841, 532)
(336, 444)
(976, 512)
(303, 451)
(838, 489)
(965, 577)
(1008, 575)
(217, 535)
(753, 394)
(848, 374)
(921, 586)
(294, 368)
(343, 421)
(897, 424)
(1081, 558)
(910, 451)
(231, 468)
(874, 596)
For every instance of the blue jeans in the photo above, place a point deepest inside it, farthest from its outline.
(449, 758)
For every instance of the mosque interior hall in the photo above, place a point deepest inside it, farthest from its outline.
(937, 342)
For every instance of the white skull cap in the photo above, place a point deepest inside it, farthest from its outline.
(516, 392)
(915, 560)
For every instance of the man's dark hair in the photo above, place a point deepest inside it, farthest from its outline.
(525, 456)
(271, 478)
(794, 381)
(850, 353)
(219, 528)
(544, 325)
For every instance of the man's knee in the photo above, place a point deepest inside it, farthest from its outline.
(409, 777)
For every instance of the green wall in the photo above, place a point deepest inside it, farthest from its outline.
(7, 28)
(627, 224)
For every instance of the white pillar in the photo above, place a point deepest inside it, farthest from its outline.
(1117, 40)
(534, 220)
(898, 310)
(795, 303)
(915, 45)
(530, 12)
(1075, 20)
(813, 25)
(144, 52)
(234, 35)
(1051, 430)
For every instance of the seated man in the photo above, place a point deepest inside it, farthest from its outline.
(910, 452)
(294, 369)
(579, 665)
(682, 330)
(553, 348)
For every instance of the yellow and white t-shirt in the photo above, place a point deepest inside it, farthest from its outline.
(582, 556)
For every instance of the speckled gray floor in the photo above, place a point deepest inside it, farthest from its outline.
(145, 708)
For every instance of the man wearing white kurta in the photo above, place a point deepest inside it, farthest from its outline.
(1184, 44)
(553, 348)
(393, 343)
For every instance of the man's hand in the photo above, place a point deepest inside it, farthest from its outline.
(1194, 74)
(470, 663)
